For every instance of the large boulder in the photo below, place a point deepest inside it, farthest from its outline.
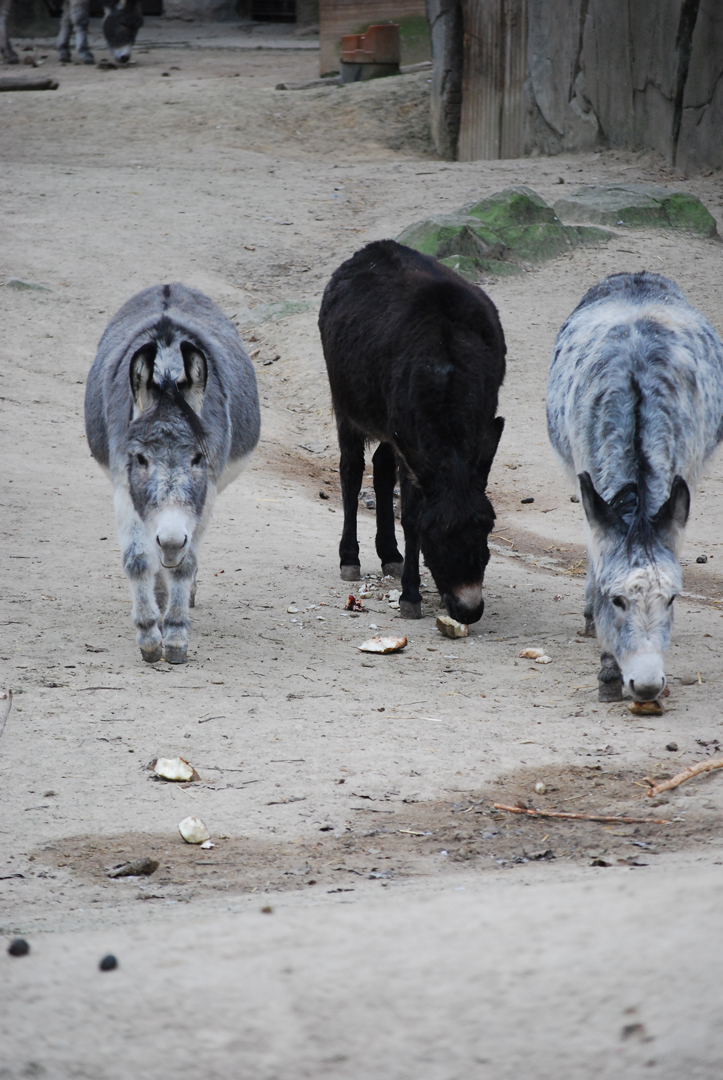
(637, 206)
(498, 235)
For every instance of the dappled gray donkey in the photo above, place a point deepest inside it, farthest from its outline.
(172, 414)
(634, 408)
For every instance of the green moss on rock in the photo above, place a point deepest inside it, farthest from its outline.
(498, 235)
(637, 206)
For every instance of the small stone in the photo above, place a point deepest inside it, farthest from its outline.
(18, 947)
(540, 787)
(136, 868)
(108, 963)
(702, 559)
(672, 746)
(527, 500)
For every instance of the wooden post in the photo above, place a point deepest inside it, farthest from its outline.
(493, 76)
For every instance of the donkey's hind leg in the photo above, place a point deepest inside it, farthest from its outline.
(609, 679)
(160, 591)
(66, 28)
(176, 619)
(351, 472)
(385, 475)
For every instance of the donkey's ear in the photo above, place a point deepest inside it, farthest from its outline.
(193, 382)
(672, 516)
(141, 376)
(601, 517)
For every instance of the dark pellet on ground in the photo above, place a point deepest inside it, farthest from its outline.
(702, 558)
(267, 910)
(108, 963)
(672, 746)
(530, 500)
(18, 947)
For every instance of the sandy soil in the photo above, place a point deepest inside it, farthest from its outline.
(365, 912)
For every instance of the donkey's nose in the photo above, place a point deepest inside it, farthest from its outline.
(648, 690)
(173, 547)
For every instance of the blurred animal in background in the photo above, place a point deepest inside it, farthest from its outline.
(172, 414)
(6, 50)
(121, 24)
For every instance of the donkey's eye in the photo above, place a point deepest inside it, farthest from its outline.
(670, 602)
(197, 459)
(142, 460)
(619, 603)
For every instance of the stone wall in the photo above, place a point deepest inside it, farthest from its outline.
(543, 76)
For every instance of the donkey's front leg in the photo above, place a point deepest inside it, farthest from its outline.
(410, 602)
(351, 472)
(66, 27)
(177, 620)
(589, 609)
(141, 565)
(609, 679)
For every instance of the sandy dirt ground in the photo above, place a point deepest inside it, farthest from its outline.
(365, 911)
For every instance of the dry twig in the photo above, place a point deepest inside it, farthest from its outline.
(580, 817)
(686, 774)
(6, 712)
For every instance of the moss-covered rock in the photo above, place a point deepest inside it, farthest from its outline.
(637, 206)
(498, 235)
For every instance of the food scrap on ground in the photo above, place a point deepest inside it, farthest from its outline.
(174, 769)
(353, 604)
(193, 830)
(383, 644)
(646, 708)
(450, 627)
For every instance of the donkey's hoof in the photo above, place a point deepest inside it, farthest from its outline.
(192, 600)
(394, 569)
(64, 56)
(351, 573)
(87, 57)
(610, 691)
(176, 654)
(408, 610)
(153, 655)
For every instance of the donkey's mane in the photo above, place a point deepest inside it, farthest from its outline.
(169, 396)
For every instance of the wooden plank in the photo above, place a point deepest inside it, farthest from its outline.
(493, 75)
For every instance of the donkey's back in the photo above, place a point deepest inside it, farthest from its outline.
(635, 392)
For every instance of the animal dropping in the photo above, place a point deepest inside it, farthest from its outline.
(634, 401)
(383, 644)
(450, 627)
(174, 769)
(193, 830)
(172, 415)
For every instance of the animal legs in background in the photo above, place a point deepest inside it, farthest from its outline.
(75, 20)
(6, 50)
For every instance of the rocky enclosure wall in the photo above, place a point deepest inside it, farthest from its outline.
(551, 75)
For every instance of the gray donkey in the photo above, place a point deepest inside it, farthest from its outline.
(634, 409)
(172, 414)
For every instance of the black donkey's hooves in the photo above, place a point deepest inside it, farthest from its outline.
(351, 573)
(392, 569)
(408, 610)
(610, 691)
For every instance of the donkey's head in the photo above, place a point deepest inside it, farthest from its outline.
(167, 458)
(123, 19)
(637, 577)
(455, 521)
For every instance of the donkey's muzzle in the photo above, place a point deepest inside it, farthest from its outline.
(173, 550)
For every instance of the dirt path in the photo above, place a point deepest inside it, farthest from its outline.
(415, 932)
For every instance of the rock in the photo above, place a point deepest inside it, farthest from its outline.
(136, 867)
(18, 947)
(193, 830)
(498, 234)
(450, 627)
(108, 963)
(637, 206)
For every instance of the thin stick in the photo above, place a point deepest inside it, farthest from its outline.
(9, 695)
(686, 774)
(581, 817)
